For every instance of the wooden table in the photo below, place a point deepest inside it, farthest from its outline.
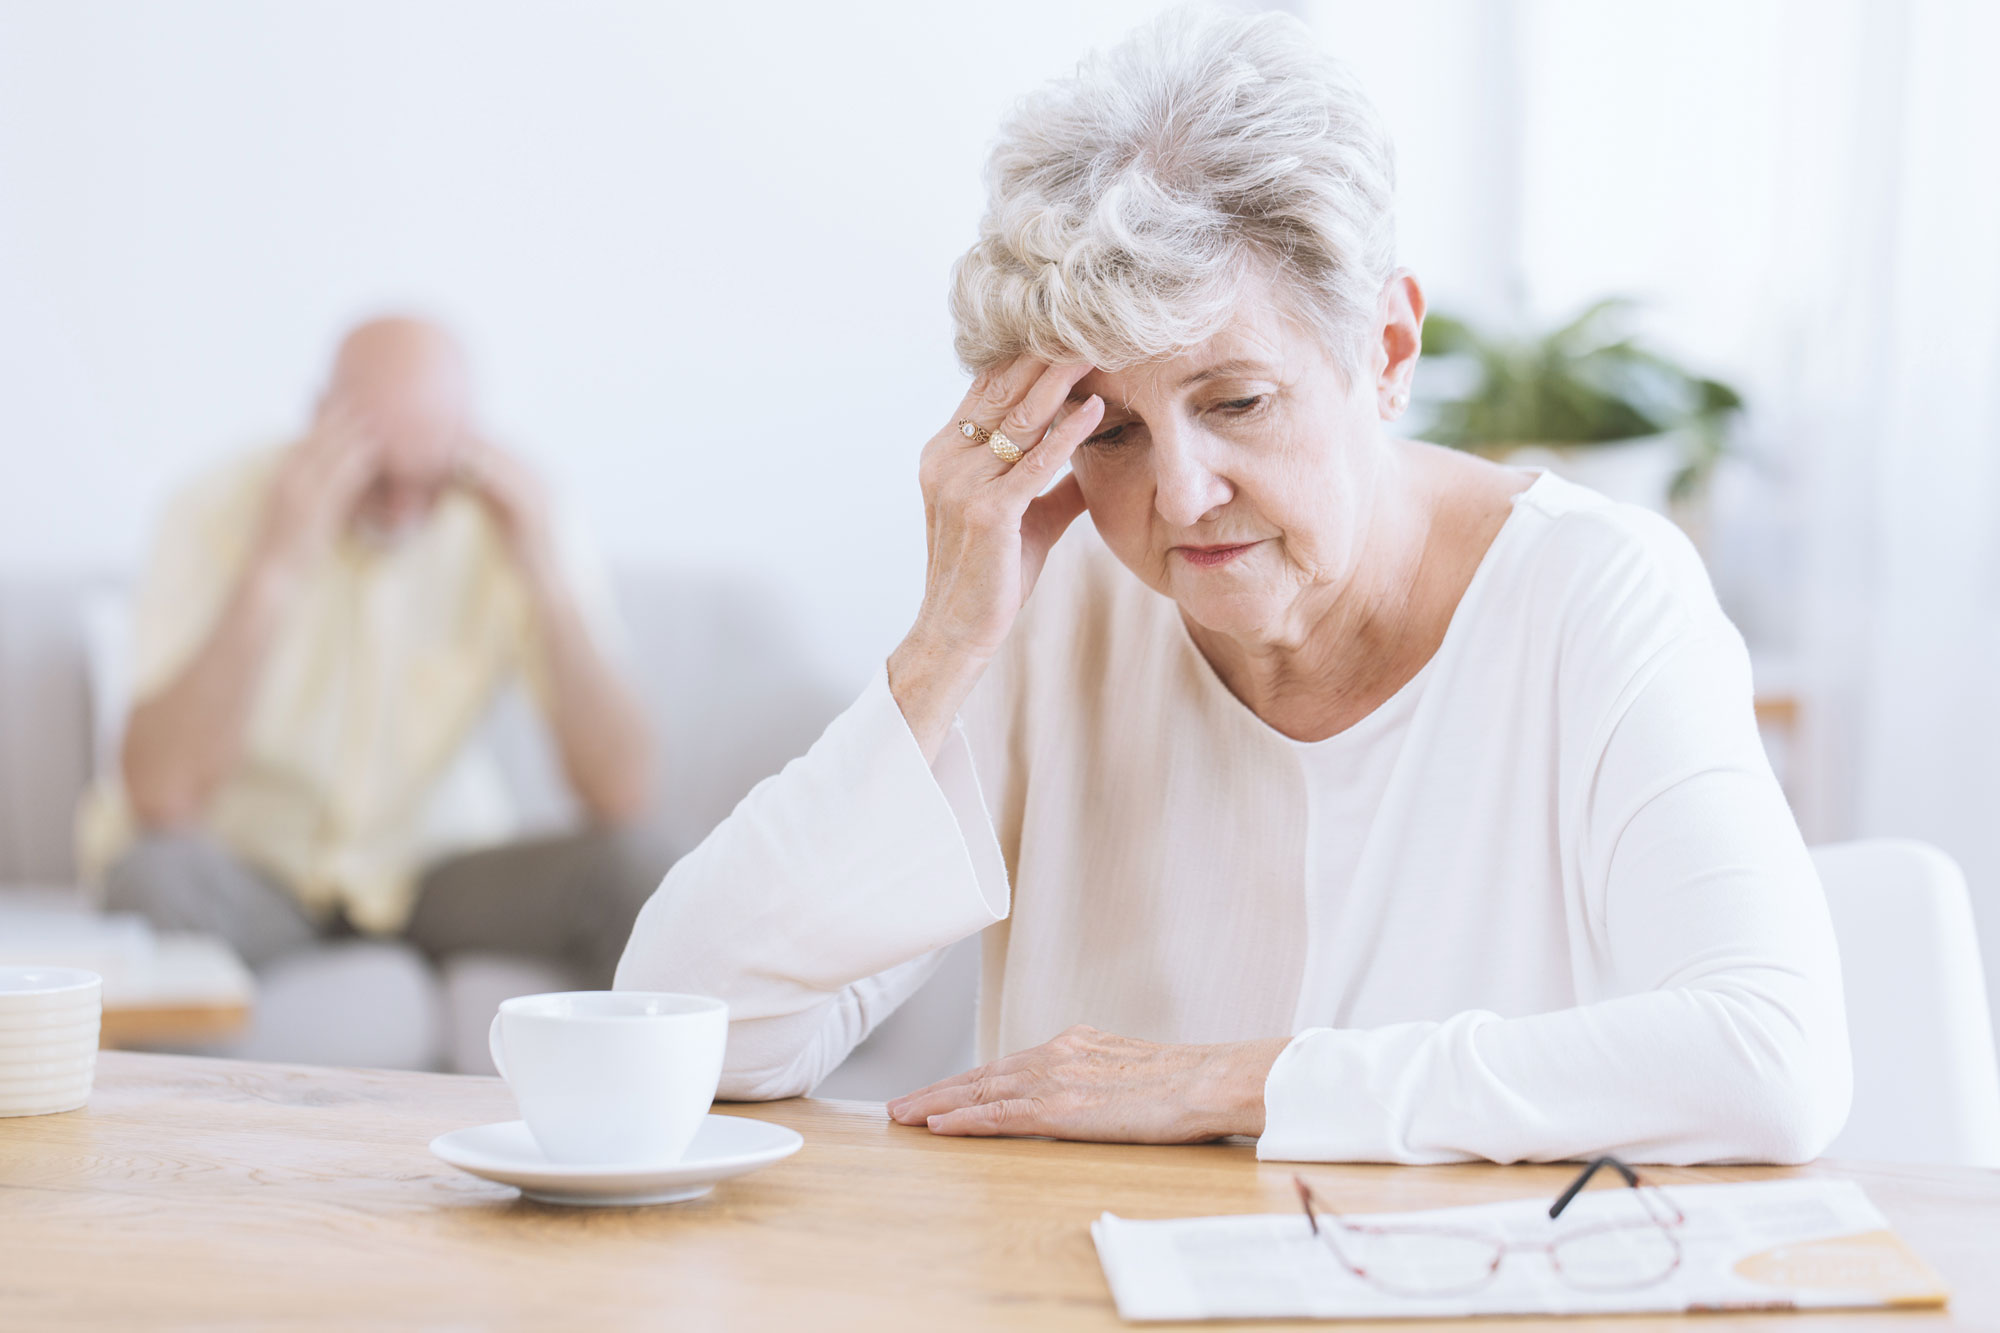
(219, 1193)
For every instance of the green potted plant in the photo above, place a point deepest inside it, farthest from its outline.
(1585, 400)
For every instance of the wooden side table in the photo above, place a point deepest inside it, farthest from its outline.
(161, 988)
(196, 990)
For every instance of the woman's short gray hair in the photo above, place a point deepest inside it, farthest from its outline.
(1128, 204)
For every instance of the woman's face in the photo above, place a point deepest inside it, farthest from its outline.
(1238, 478)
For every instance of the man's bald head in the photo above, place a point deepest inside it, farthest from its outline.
(406, 382)
(399, 355)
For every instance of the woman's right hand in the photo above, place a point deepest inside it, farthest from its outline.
(989, 529)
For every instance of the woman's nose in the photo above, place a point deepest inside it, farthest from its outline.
(1185, 484)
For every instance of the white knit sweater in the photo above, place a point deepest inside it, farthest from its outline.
(1548, 901)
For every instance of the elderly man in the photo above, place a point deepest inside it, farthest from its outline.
(321, 631)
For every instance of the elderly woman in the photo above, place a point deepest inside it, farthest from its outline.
(1366, 797)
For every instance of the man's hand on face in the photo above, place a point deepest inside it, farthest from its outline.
(317, 487)
(515, 497)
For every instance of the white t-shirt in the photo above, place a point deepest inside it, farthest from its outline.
(1345, 777)
(1549, 902)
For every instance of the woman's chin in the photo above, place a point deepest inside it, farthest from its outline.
(1237, 612)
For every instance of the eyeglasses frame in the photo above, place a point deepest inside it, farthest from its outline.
(1664, 1214)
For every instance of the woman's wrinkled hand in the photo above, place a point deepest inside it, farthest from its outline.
(1096, 1086)
(989, 526)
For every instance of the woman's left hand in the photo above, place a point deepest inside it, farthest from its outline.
(1096, 1086)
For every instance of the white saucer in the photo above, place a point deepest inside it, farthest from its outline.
(724, 1146)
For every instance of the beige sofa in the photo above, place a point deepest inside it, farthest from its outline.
(732, 694)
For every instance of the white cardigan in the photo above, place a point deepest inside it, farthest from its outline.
(1548, 902)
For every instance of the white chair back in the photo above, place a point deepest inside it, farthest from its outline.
(1926, 1086)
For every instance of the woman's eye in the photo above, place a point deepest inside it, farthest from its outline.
(1241, 405)
(1112, 436)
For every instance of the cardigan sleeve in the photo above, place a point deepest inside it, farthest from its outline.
(825, 898)
(1725, 1038)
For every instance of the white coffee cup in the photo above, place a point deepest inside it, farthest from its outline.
(49, 1018)
(611, 1077)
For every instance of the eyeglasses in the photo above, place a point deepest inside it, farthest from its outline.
(1445, 1261)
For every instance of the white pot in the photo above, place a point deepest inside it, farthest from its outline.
(1639, 471)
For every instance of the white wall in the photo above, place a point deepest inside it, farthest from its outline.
(699, 251)
(700, 254)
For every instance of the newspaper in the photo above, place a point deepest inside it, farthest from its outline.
(1778, 1245)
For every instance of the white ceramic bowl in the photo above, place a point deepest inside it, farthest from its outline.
(49, 1020)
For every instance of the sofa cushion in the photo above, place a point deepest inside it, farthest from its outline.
(46, 738)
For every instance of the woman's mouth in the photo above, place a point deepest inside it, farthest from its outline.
(1207, 557)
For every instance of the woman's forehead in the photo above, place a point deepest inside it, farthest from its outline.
(1255, 345)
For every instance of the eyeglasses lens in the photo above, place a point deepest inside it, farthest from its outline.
(1616, 1258)
(1420, 1263)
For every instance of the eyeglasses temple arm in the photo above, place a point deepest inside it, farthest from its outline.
(1306, 1198)
(1576, 1186)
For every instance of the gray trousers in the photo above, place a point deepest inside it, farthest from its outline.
(570, 899)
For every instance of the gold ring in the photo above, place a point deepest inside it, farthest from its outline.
(1003, 448)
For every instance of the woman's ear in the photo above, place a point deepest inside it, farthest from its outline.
(1401, 320)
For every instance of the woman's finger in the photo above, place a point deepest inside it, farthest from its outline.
(1029, 417)
(996, 1088)
(910, 1098)
(1017, 1115)
(1006, 1064)
(1012, 1064)
(1041, 465)
(994, 391)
